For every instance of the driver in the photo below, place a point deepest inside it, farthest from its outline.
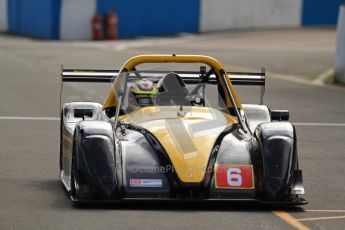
(142, 93)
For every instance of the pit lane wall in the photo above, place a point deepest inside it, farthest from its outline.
(238, 14)
(3, 15)
(75, 19)
(71, 19)
(340, 52)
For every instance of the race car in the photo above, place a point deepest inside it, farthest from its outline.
(176, 133)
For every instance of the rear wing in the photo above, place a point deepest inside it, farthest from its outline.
(189, 77)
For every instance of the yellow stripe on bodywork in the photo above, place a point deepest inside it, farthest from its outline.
(188, 140)
(68, 141)
(67, 153)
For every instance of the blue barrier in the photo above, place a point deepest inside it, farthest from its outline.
(153, 17)
(320, 12)
(37, 18)
(41, 18)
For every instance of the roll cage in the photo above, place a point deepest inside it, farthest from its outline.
(116, 94)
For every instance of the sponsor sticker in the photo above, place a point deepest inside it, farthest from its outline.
(146, 183)
(230, 176)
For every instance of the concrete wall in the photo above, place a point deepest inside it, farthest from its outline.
(340, 53)
(3, 15)
(232, 14)
(75, 20)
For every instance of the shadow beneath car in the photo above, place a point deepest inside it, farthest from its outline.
(63, 201)
(188, 205)
(226, 206)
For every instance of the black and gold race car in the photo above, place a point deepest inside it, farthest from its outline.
(176, 133)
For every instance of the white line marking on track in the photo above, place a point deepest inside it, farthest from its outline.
(319, 124)
(324, 77)
(322, 218)
(330, 210)
(30, 118)
(57, 119)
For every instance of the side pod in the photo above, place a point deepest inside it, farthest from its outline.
(94, 150)
(278, 160)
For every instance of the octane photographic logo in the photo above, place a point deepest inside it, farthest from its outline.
(166, 169)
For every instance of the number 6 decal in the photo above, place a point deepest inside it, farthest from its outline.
(234, 177)
(228, 176)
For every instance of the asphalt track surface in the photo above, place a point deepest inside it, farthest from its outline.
(32, 196)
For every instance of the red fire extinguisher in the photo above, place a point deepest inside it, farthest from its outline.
(112, 24)
(97, 27)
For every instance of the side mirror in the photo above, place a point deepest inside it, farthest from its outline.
(82, 113)
(279, 115)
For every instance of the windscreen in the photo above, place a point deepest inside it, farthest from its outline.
(179, 86)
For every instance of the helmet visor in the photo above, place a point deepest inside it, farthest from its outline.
(144, 99)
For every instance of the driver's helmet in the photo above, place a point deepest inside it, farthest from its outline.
(143, 93)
